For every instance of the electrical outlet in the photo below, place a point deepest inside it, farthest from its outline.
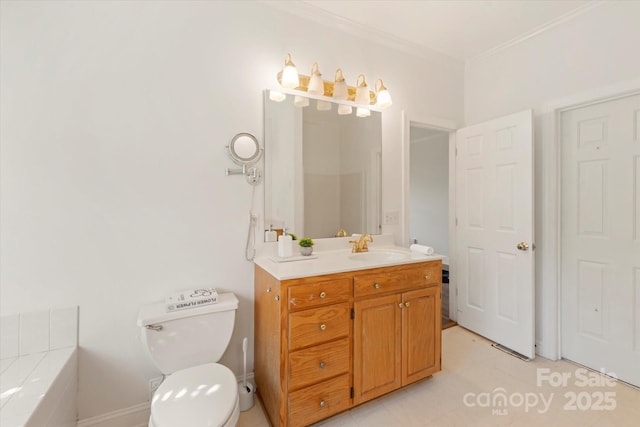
(154, 383)
(391, 218)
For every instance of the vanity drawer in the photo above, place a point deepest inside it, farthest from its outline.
(318, 363)
(399, 280)
(316, 326)
(319, 401)
(319, 293)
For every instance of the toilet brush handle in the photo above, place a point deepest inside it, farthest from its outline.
(244, 352)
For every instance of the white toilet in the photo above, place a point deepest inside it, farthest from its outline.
(184, 345)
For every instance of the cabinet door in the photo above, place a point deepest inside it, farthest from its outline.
(377, 347)
(421, 325)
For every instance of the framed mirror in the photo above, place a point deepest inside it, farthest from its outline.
(244, 149)
(322, 170)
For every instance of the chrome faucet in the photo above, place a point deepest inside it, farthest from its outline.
(360, 245)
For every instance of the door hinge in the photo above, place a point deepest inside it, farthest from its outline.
(352, 393)
(353, 313)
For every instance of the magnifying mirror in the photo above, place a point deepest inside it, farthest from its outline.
(244, 149)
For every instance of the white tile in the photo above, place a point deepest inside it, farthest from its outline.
(9, 336)
(64, 327)
(5, 363)
(19, 371)
(34, 332)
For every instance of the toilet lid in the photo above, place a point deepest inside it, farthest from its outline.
(202, 396)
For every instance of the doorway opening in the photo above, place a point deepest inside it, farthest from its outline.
(429, 198)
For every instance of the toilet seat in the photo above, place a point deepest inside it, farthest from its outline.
(201, 396)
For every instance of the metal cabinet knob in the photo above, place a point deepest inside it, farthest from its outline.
(427, 276)
(522, 246)
(376, 285)
(323, 326)
(323, 294)
(406, 304)
(322, 365)
(400, 305)
(323, 403)
(268, 289)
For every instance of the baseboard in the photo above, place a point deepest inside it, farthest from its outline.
(133, 416)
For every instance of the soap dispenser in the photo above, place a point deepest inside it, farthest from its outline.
(284, 245)
(270, 235)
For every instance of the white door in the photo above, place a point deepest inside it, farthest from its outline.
(601, 236)
(494, 234)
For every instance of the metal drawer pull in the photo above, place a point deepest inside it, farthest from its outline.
(154, 327)
(323, 294)
(323, 326)
(427, 276)
(323, 403)
(322, 365)
(376, 285)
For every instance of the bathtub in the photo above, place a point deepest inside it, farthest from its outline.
(39, 368)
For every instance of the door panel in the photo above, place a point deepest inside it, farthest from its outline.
(377, 347)
(494, 213)
(421, 334)
(600, 249)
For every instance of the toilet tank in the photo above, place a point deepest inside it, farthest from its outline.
(185, 338)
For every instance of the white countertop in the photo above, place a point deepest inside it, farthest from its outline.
(338, 261)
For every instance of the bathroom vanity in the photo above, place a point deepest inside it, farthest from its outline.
(339, 330)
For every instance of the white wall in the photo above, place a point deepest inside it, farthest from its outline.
(113, 121)
(594, 50)
(429, 192)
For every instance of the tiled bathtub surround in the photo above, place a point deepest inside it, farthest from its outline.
(38, 368)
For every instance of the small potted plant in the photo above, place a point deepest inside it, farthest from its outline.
(306, 246)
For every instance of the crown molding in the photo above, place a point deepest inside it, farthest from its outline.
(321, 16)
(313, 13)
(541, 29)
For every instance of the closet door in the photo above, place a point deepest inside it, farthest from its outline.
(601, 236)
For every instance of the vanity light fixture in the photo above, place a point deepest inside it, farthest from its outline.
(383, 98)
(341, 93)
(324, 91)
(362, 97)
(290, 77)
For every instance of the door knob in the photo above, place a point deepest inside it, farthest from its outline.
(522, 246)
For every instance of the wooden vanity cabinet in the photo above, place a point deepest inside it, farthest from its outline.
(326, 343)
(397, 328)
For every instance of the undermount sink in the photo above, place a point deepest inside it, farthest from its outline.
(380, 255)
